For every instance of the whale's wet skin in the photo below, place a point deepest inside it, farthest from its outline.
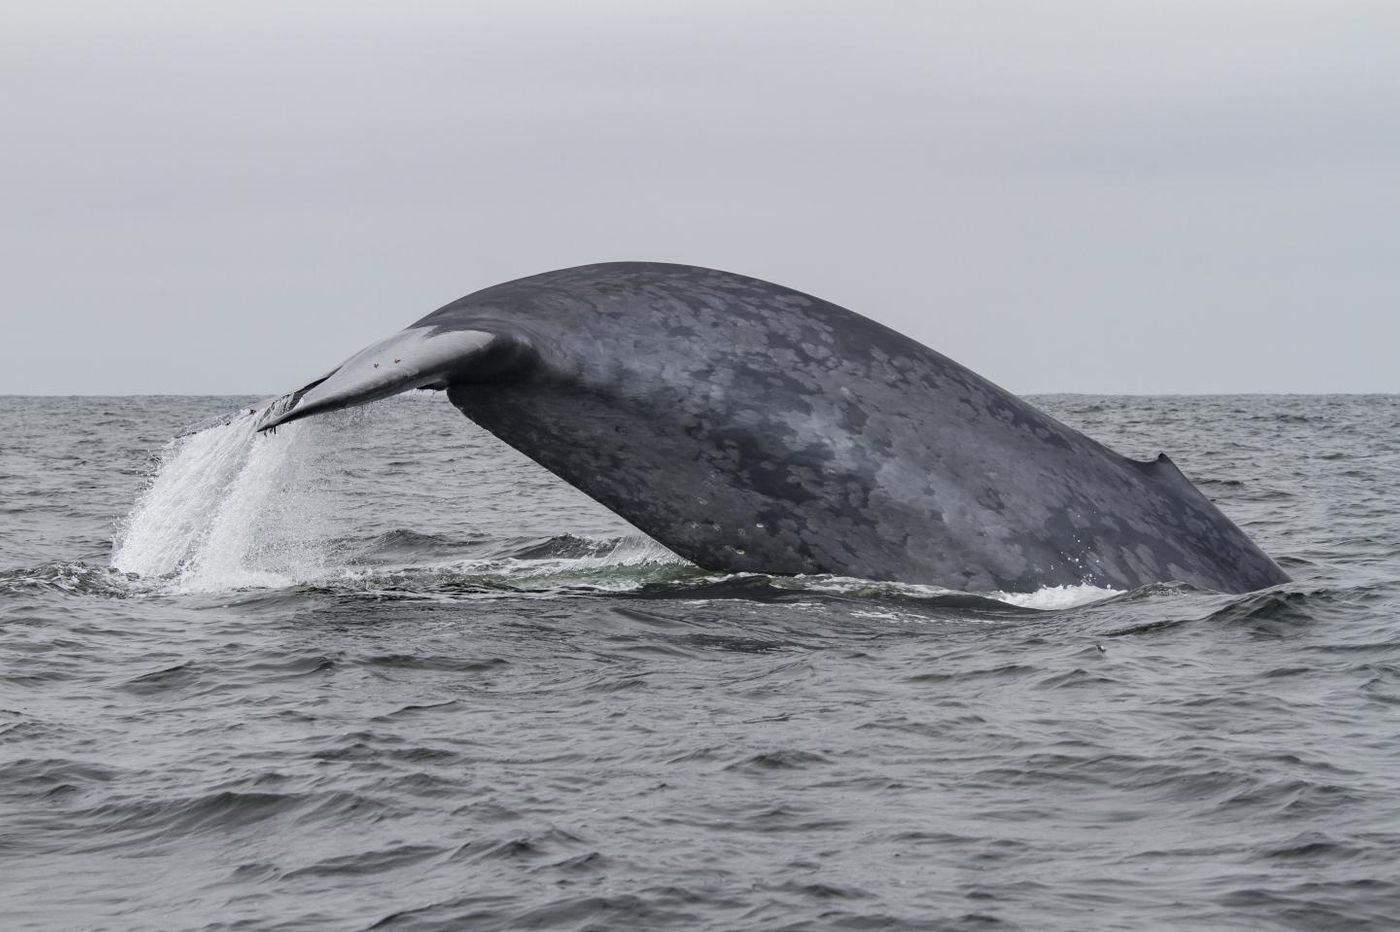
(379, 668)
(753, 428)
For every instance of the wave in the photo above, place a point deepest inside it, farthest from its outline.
(407, 565)
(77, 579)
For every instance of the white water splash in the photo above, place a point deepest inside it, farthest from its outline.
(1055, 598)
(172, 516)
(226, 510)
(1049, 598)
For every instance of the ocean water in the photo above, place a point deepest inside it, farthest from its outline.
(378, 671)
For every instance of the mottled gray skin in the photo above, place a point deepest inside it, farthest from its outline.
(749, 427)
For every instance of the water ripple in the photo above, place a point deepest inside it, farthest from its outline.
(443, 692)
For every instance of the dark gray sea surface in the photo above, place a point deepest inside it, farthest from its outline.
(379, 671)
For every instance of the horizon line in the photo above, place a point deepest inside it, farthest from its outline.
(1120, 394)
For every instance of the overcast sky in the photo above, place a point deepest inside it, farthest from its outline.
(1116, 197)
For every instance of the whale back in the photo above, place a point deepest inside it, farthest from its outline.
(750, 427)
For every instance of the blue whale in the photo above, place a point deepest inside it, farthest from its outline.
(752, 428)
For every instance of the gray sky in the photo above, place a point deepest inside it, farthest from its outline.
(1101, 197)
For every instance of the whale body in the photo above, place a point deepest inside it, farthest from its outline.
(749, 427)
